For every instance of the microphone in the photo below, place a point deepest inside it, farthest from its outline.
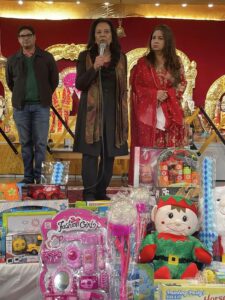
(102, 47)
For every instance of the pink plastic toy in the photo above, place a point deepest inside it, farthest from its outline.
(73, 257)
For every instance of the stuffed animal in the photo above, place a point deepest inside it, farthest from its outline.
(172, 248)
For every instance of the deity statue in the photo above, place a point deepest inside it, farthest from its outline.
(62, 101)
(2, 107)
(219, 117)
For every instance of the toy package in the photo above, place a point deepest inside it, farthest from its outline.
(9, 191)
(177, 168)
(22, 247)
(208, 233)
(46, 192)
(212, 205)
(21, 235)
(25, 221)
(145, 162)
(74, 257)
(143, 202)
(192, 292)
(14, 220)
(31, 205)
(2, 246)
(55, 172)
(121, 219)
(191, 192)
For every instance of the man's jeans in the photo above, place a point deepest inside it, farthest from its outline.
(32, 123)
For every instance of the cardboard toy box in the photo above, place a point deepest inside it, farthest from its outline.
(9, 191)
(98, 207)
(10, 206)
(43, 206)
(23, 248)
(145, 162)
(21, 231)
(192, 292)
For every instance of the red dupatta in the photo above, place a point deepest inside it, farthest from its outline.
(171, 106)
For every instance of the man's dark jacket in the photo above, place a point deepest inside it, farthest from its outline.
(46, 74)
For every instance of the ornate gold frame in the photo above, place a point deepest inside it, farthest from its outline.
(66, 51)
(213, 95)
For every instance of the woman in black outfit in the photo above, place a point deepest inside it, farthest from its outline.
(102, 120)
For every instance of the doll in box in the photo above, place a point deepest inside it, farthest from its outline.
(172, 248)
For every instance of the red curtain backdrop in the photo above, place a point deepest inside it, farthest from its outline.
(202, 41)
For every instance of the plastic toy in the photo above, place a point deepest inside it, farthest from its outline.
(74, 259)
(9, 191)
(121, 219)
(145, 161)
(22, 248)
(178, 167)
(172, 248)
(42, 192)
(208, 234)
(55, 172)
(19, 244)
(143, 202)
(33, 248)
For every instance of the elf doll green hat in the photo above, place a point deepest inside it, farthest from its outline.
(178, 201)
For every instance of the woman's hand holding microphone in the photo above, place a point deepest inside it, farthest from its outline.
(99, 62)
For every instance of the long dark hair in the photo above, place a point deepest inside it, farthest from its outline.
(115, 47)
(172, 61)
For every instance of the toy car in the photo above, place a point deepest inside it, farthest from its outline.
(33, 248)
(25, 244)
(42, 192)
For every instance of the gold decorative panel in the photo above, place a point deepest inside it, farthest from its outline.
(213, 95)
(66, 51)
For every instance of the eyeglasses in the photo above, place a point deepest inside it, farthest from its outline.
(29, 35)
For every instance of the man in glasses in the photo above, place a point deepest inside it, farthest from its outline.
(32, 76)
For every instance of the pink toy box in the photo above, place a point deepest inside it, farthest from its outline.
(145, 162)
(74, 257)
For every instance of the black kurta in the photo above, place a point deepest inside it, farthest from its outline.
(108, 83)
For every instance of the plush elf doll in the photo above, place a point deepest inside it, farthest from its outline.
(171, 247)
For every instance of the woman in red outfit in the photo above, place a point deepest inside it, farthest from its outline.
(157, 86)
